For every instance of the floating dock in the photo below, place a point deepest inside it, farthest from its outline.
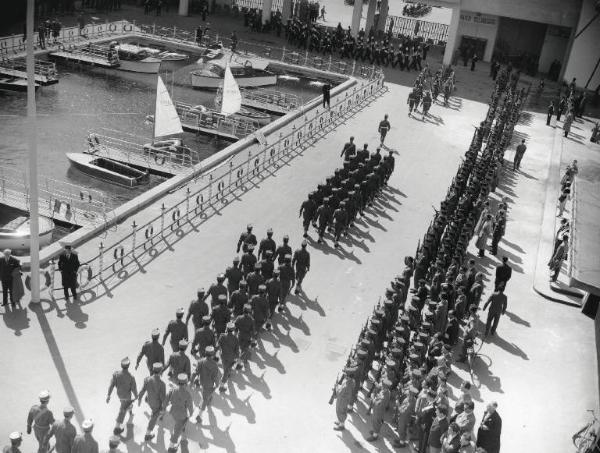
(270, 101)
(213, 124)
(90, 54)
(45, 71)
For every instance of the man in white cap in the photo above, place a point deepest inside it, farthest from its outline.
(156, 392)
(182, 408)
(230, 350)
(68, 265)
(153, 351)
(208, 375)
(113, 444)
(15, 442)
(40, 418)
(179, 362)
(177, 329)
(64, 432)
(126, 391)
(85, 443)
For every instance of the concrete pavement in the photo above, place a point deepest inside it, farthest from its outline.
(281, 405)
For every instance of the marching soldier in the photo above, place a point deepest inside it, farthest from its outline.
(273, 292)
(220, 315)
(234, 275)
(301, 261)
(181, 409)
(287, 278)
(379, 405)
(260, 309)
(113, 444)
(412, 102)
(207, 375)
(308, 211)
(248, 260)
(179, 362)
(254, 280)
(64, 433)
(246, 238)
(177, 329)
(384, 127)
(267, 266)
(40, 418)
(344, 397)
(340, 220)
(323, 215)
(126, 387)
(155, 391)
(404, 412)
(215, 290)
(283, 250)
(244, 323)
(230, 348)
(349, 150)
(266, 244)
(85, 443)
(153, 351)
(203, 337)
(197, 309)
(238, 299)
(15, 442)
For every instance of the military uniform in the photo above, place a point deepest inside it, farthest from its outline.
(287, 278)
(127, 392)
(197, 310)
(229, 346)
(273, 292)
(155, 391)
(207, 374)
(179, 362)
(234, 275)
(238, 299)
(64, 433)
(203, 337)
(177, 329)
(249, 260)
(181, 408)
(246, 239)
(308, 210)
(266, 244)
(220, 315)
(85, 443)
(283, 250)
(344, 397)
(244, 323)
(260, 308)
(153, 351)
(301, 260)
(40, 418)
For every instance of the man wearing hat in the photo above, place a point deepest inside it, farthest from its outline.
(127, 392)
(323, 216)
(249, 260)
(179, 362)
(273, 292)
(260, 308)
(379, 404)
(287, 277)
(155, 390)
(207, 374)
(215, 290)
(404, 412)
(254, 280)
(266, 265)
(220, 315)
(340, 221)
(8, 264)
(246, 238)
(68, 264)
(85, 442)
(234, 275)
(301, 261)
(283, 250)
(203, 337)
(244, 323)
(113, 444)
(40, 418)
(197, 309)
(229, 346)
(177, 329)
(181, 409)
(63, 431)
(266, 244)
(238, 299)
(153, 351)
(307, 212)
(15, 442)
(344, 397)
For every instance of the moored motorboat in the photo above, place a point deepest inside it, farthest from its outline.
(211, 73)
(14, 84)
(136, 59)
(16, 234)
(107, 169)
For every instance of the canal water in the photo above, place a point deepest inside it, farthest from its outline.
(108, 102)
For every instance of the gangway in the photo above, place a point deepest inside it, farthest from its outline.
(45, 71)
(64, 202)
(271, 101)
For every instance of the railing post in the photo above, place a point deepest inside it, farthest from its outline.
(283, 54)
(134, 227)
(162, 219)
(353, 67)
(174, 32)
(210, 179)
(100, 260)
(248, 165)
(306, 58)
(230, 171)
(52, 270)
(187, 203)
(329, 66)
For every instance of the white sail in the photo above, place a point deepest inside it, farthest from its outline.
(232, 98)
(166, 119)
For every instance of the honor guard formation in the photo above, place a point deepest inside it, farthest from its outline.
(404, 354)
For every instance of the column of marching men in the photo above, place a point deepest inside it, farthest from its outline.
(404, 352)
(226, 320)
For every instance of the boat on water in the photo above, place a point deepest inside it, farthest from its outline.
(14, 84)
(108, 170)
(136, 59)
(163, 55)
(16, 234)
(211, 73)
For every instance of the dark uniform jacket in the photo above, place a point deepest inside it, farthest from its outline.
(7, 267)
(68, 266)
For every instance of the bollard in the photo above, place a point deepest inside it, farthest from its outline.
(162, 220)
(100, 260)
(134, 227)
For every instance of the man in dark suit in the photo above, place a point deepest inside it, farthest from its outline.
(503, 273)
(8, 264)
(68, 264)
(488, 434)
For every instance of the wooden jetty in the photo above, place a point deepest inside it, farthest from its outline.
(90, 54)
(270, 101)
(45, 71)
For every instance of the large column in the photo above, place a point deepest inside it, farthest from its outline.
(452, 34)
(184, 6)
(286, 11)
(356, 17)
(370, 15)
(383, 15)
(266, 10)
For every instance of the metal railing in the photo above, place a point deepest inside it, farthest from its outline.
(220, 183)
(213, 120)
(267, 97)
(44, 69)
(413, 28)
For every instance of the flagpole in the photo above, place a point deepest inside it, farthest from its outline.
(34, 243)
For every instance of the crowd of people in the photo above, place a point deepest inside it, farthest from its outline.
(571, 104)
(416, 9)
(404, 353)
(227, 321)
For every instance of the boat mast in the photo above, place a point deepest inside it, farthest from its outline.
(34, 243)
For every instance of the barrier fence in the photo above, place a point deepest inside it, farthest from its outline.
(216, 188)
(413, 28)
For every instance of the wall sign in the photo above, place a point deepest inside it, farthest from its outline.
(478, 18)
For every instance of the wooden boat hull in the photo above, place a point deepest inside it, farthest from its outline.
(18, 239)
(107, 170)
(14, 85)
(200, 80)
(148, 65)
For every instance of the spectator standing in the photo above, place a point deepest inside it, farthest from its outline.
(326, 94)
(497, 303)
(558, 257)
(483, 233)
(503, 273)
(550, 113)
(519, 152)
(562, 105)
(8, 264)
(68, 265)
(490, 429)
(567, 124)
